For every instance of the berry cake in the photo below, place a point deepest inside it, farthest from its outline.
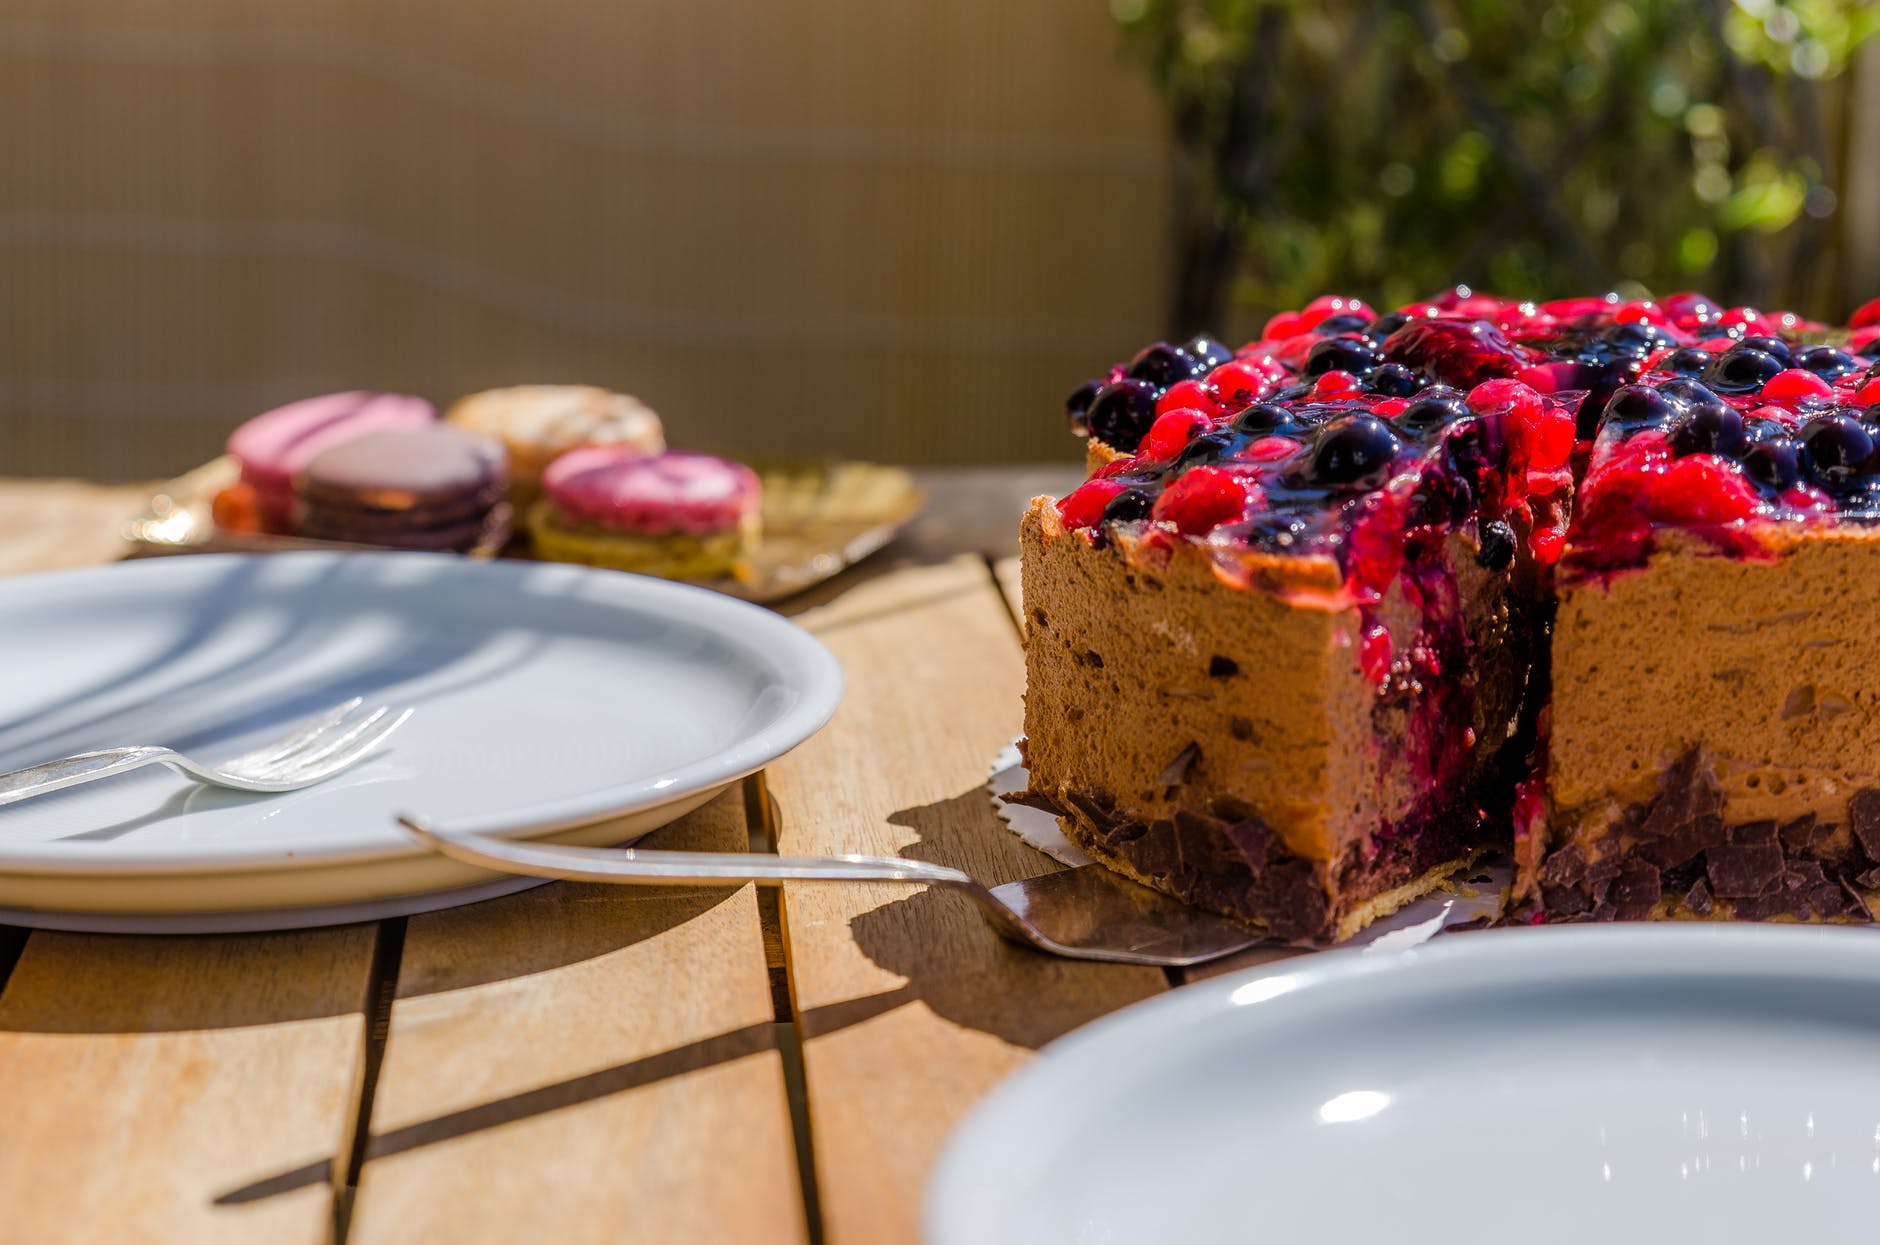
(1288, 647)
(1713, 743)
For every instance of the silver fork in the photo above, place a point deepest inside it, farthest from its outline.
(332, 741)
(1086, 913)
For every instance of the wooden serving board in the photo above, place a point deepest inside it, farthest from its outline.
(818, 519)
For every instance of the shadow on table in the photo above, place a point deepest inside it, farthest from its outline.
(696, 1056)
(952, 959)
(109, 983)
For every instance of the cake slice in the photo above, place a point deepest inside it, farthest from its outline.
(1714, 736)
(1276, 658)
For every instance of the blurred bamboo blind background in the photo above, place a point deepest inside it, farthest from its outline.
(897, 229)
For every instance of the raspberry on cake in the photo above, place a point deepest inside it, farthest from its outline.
(678, 515)
(1288, 648)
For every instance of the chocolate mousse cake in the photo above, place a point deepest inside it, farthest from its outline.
(1288, 647)
(1713, 742)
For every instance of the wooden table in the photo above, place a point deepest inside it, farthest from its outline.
(580, 1063)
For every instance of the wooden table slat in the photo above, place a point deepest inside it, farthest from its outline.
(910, 1006)
(154, 1086)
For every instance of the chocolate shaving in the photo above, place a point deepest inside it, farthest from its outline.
(1150, 848)
(1857, 902)
(1291, 900)
(1125, 832)
(1743, 872)
(1863, 815)
(1869, 879)
(1239, 866)
(1251, 838)
(1566, 867)
(1565, 901)
(1754, 834)
(1804, 834)
(1101, 818)
(1761, 908)
(1687, 816)
(1196, 854)
(1803, 875)
(1828, 901)
(1601, 872)
(1038, 800)
(1636, 891)
(1176, 772)
(1697, 899)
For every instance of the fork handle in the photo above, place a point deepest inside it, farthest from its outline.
(24, 784)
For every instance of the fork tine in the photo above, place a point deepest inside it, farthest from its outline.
(335, 740)
(350, 748)
(277, 751)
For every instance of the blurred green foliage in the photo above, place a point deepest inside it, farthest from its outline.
(1392, 149)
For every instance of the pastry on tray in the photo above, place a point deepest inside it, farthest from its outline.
(678, 515)
(434, 488)
(275, 447)
(1288, 649)
(539, 423)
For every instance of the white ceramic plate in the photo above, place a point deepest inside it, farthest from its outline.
(1629, 1083)
(548, 698)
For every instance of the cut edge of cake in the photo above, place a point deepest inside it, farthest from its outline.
(1210, 732)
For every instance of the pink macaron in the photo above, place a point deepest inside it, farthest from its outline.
(275, 447)
(617, 488)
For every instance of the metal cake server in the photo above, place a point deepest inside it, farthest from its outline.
(1086, 913)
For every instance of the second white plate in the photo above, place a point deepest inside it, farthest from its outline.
(1688, 1082)
(549, 698)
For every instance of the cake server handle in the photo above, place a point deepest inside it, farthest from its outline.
(631, 865)
(1087, 913)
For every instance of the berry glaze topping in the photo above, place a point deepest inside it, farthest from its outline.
(1361, 437)
(1768, 433)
